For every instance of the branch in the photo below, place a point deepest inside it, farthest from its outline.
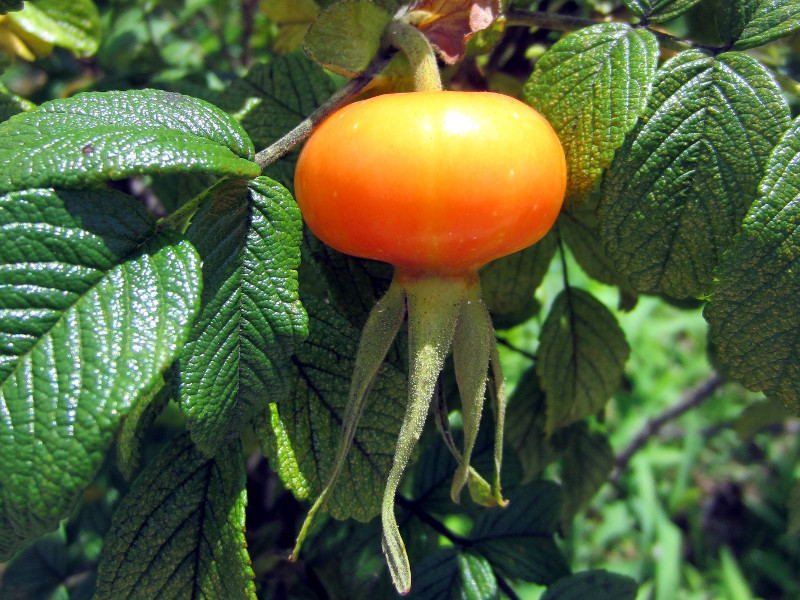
(693, 399)
(343, 96)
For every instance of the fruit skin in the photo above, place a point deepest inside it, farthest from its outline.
(432, 182)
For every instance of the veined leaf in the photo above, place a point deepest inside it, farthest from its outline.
(659, 11)
(97, 136)
(448, 573)
(301, 432)
(733, 16)
(70, 24)
(273, 98)
(598, 585)
(94, 305)
(754, 315)
(518, 540)
(592, 85)
(509, 283)
(677, 190)
(251, 322)
(179, 533)
(581, 357)
(772, 19)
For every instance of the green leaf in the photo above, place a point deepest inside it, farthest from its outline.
(677, 190)
(345, 37)
(587, 461)
(793, 506)
(141, 416)
(71, 24)
(518, 540)
(772, 19)
(93, 137)
(251, 322)
(179, 533)
(7, 6)
(733, 16)
(300, 433)
(11, 104)
(659, 11)
(272, 99)
(597, 585)
(39, 570)
(581, 357)
(450, 574)
(591, 86)
(508, 283)
(758, 416)
(753, 315)
(94, 305)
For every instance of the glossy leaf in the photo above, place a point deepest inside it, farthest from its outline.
(581, 357)
(93, 137)
(659, 11)
(70, 24)
(518, 540)
(591, 86)
(179, 533)
(773, 19)
(449, 573)
(598, 585)
(251, 322)
(509, 283)
(754, 316)
(301, 432)
(677, 190)
(272, 99)
(94, 305)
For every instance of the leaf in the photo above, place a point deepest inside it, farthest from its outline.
(526, 420)
(518, 540)
(293, 18)
(11, 104)
(449, 24)
(272, 99)
(251, 321)
(70, 24)
(179, 533)
(301, 432)
(592, 85)
(733, 16)
(753, 315)
(659, 11)
(448, 573)
(141, 416)
(793, 506)
(508, 283)
(758, 416)
(581, 357)
(597, 584)
(93, 137)
(677, 190)
(587, 461)
(773, 19)
(346, 36)
(39, 570)
(7, 6)
(94, 305)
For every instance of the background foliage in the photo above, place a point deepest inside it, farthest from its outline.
(175, 349)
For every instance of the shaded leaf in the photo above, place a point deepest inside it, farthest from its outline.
(733, 16)
(293, 18)
(301, 432)
(70, 24)
(448, 573)
(758, 416)
(793, 505)
(508, 283)
(92, 137)
(773, 19)
(659, 11)
(251, 321)
(38, 571)
(346, 36)
(753, 315)
(598, 585)
(179, 533)
(581, 357)
(11, 104)
(7, 6)
(677, 190)
(518, 540)
(272, 99)
(94, 305)
(591, 86)
(138, 420)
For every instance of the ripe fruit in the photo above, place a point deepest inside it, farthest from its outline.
(437, 184)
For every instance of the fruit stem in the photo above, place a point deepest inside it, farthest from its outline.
(413, 43)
